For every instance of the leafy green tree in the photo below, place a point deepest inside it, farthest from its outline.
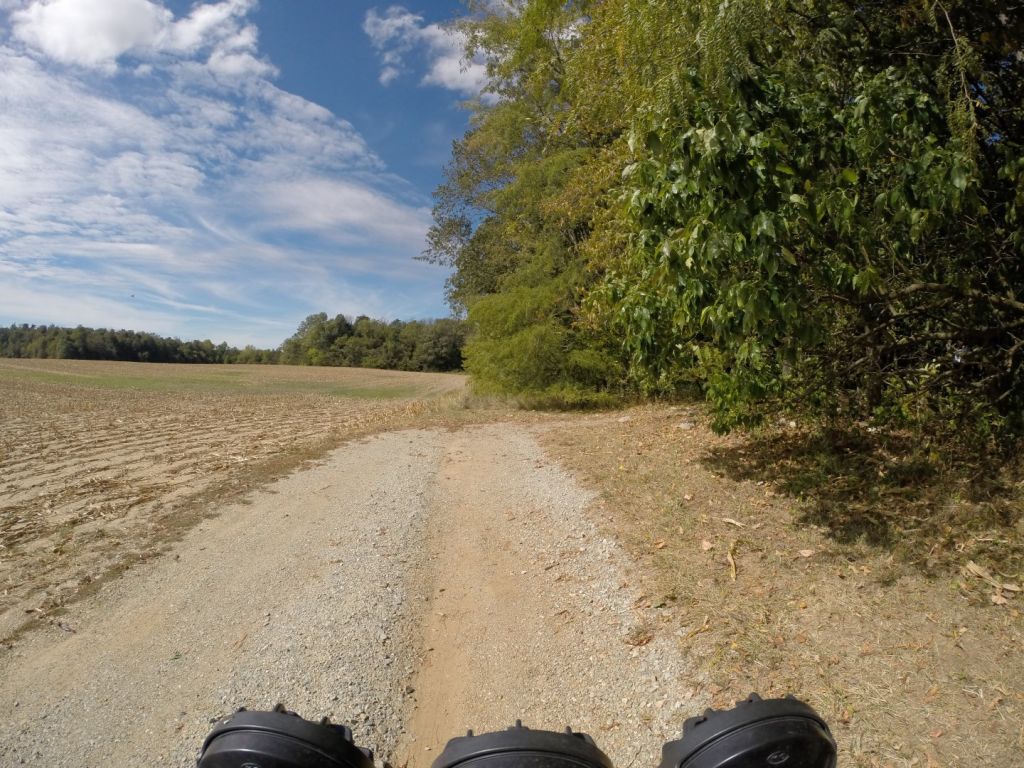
(808, 203)
(832, 219)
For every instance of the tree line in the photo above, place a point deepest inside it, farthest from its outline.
(815, 205)
(431, 345)
(416, 345)
(80, 343)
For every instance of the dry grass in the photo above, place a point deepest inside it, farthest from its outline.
(772, 585)
(102, 463)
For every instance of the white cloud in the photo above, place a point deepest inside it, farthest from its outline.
(453, 73)
(345, 210)
(97, 33)
(400, 33)
(210, 21)
(92, 33)
(237, 64)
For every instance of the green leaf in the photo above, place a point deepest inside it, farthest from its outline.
(959, 177)
(788, 257)
(849, 176)
(763, 225)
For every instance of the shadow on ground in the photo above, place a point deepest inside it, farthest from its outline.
(887, 491)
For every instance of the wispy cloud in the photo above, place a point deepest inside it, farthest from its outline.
(399, 35)
(150, 164)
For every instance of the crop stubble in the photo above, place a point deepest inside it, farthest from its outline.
(102, 462)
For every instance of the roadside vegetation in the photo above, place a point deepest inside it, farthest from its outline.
(809, 206)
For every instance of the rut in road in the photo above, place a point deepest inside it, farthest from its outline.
(324, 591)
(531, 610)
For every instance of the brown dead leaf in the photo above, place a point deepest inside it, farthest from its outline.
(806, 552)
(705, 545)
(688, 497)
(730, 521)
(980, 571)
(660, 544)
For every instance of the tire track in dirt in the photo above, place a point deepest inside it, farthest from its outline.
(531, 613)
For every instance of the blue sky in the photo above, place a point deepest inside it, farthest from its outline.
(222, 169)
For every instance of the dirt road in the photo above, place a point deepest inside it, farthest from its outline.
(413, 584)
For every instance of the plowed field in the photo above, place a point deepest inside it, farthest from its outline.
(101, 463)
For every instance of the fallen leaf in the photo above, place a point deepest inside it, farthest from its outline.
(806, 552)
(688, 496)
(706, 545)
(985, 575)
(998, 599)
(730, 521)
(937, 733)
(732, 561)
(660, 544)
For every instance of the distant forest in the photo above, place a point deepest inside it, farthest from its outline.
(430, 345)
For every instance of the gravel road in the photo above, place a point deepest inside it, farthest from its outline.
(431, 579)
